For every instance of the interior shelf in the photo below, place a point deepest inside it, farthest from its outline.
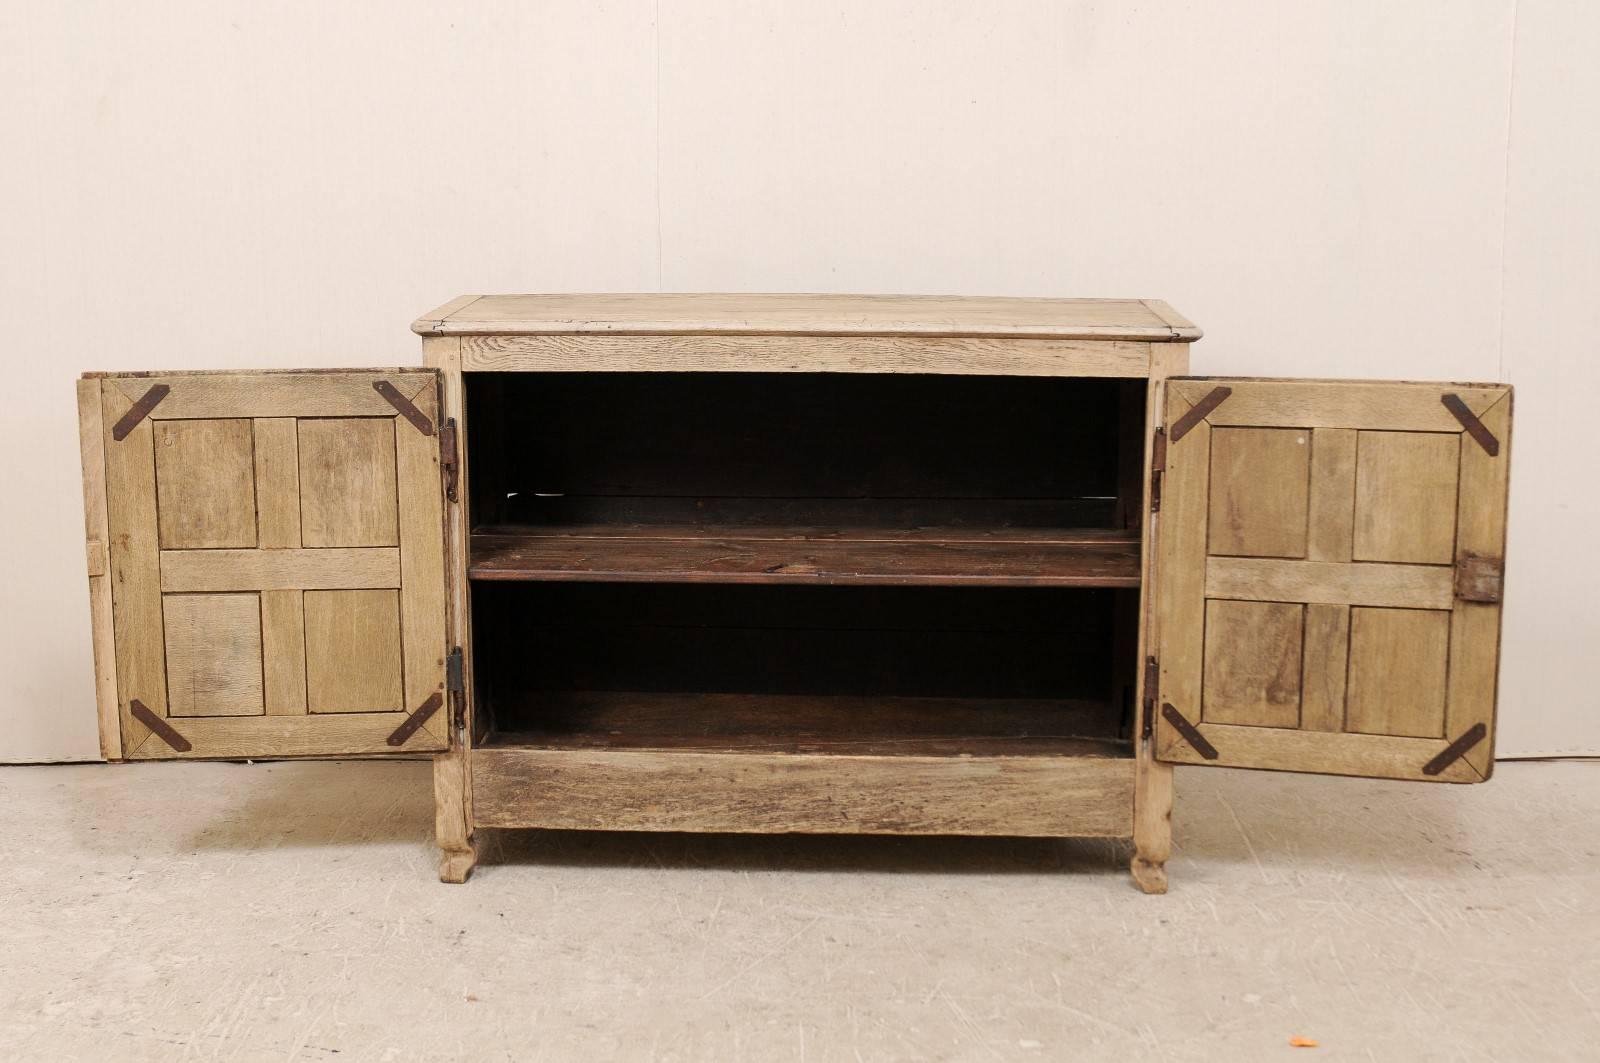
(623, 553)
(788, 723)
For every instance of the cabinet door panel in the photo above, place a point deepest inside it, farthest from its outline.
(1329, 565)
(276, 561)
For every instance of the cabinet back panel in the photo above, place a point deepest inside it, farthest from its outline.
(794, 448)
(823, 641)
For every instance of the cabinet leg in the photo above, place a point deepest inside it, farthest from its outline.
(1152, 823)
(452, 820)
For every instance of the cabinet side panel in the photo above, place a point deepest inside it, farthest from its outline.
(91, 442)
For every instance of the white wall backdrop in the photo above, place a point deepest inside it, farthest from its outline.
(1331, 187)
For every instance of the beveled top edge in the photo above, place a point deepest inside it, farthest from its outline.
(1147, 320)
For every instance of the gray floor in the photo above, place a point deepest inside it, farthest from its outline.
(290, 912)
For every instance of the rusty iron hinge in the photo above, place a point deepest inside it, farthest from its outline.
(454, 683)
(1158, 465)
(410, 724)
(1152, 683)
(1479, 579)
(449, 457)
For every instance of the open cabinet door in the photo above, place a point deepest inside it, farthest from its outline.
(1329, 581)
(273, 556)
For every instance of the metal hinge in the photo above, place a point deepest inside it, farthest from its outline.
(449, 457)
(457, 688)
(1158, 465)
(1152, 681)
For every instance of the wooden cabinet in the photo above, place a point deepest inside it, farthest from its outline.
(800, 563)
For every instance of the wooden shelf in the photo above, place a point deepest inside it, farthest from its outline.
(810, 724)
(1031, 557)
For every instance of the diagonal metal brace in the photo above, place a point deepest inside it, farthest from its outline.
(138, 412)
(1189, 731)
(1197, 413)
(409, 726)
(407, 408)
(1457, 749)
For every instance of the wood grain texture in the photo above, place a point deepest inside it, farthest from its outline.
(347, 482)
(135, 574)
(97, 538)
(1373, 657)
(269, 737)
(1475, 626)
(452, 779)
(277, 461)
(1330, 532)
(819, 723)
(1153, 783)
(1397, 672)
(1406, 496)
(956, 355)
(1278, 749)
(423, 608)
(762, 792)
(1385, 406)
(213, 645)
(452, 829)
(1259, 484)
(1269, 580)
(205, 484)
(776, 555)
(292, 393)
(832, 315)
(1326, 657)
(353, 660)
(1181, 531)
(279, 570)
(1252, 665)
(231, 663)
(283, 652)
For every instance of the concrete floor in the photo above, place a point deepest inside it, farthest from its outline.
(290, 912)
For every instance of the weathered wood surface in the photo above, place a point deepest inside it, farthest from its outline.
(1344, 649)
(97, 540)
(258, 592)
(828, 315)
(808, 794)
(952, 355)
(752, 555)
(1152, 800)
(793, 723)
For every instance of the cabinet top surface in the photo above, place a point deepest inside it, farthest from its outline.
(1146, 320)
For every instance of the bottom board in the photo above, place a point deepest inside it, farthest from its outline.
(747, 792)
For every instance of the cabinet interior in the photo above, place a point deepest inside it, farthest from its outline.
(939, 565)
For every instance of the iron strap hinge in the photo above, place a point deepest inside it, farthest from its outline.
(1152, 681)
(1158, 465)
(449, 457)
(457, 688)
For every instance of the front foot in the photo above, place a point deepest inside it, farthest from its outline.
(1149, 876)
(455, 865)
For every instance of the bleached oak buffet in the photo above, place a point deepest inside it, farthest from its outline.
(800, 564)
